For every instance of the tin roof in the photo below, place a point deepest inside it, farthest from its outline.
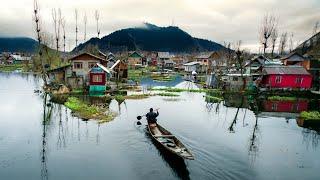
(164, 55)
(294, 56)
(286, 70)
(192, 63)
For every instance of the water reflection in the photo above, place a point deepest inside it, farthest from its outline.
(47, 111)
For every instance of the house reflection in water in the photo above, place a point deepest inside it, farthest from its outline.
(283, 108)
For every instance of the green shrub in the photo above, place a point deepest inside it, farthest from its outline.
(310, 115)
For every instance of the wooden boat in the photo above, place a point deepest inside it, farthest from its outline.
(169, 142)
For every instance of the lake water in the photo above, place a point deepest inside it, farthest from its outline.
(254, 146)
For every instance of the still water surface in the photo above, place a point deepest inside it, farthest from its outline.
(258, 147)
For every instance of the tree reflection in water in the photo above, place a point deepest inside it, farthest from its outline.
(312, 136)
(61, 143)
(47, 111)
(253, 142)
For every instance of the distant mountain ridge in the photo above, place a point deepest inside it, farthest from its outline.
(18, 44)
(151, 38)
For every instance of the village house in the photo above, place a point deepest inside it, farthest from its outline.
(286, 77)
(134, 59)
(192, 67)
(179, 61)
(310, 64)
(296, 59)
(111, 59)
(257, 63)
(98, 76)
(82, 64)
(59, 74)
(20, 59)
(210, 61)
(120, 70)
(163, 58)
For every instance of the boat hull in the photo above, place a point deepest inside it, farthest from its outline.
(169, 142)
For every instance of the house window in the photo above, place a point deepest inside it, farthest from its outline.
(274, 106)
(299, 80)
(278, 79)
(91, 64)
(235, 78)
(77, 65)
(96, 78)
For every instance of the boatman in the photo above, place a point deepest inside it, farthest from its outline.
(152, 117)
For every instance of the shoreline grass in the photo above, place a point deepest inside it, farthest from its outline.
(310, 115)
(213, 99)
(86, 111)
(282, 98)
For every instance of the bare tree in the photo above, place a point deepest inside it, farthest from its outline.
(63, 24)
(76, 16)
(36, 17)
(240, 61)
(283, 43)
(56, 16)
(274, 37)
(291, 42)
(267, 27)
(97, 17)
(316, 28)
(85, 20)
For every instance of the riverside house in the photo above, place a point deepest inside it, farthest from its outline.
(81, 65)
(135, 59)
(286, 77)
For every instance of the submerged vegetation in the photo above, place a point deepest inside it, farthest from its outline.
(310, 115)
(85, 111)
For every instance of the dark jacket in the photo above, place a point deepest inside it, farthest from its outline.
(152, 117)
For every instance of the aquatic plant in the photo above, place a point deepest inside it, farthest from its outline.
(282, 98)
(86, 111)
(167, 94)
(213, 99)
(119, 98)
(169, 89)
(137, 96)
(310, 115)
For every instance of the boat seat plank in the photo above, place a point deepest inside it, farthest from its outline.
(164, 136)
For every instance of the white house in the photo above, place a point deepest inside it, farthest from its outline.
(191, 66)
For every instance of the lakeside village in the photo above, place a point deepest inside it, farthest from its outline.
(290, 78)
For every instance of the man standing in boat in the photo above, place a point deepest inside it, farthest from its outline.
(152, 117)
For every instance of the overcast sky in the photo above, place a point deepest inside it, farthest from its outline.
(217, 20)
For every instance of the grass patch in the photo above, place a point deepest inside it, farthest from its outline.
(282, 98)
(161, 77)
(137, 96)
(167, 94)
(213, 99)
(11, 67)
(168, 89)
(310, 115)
(85, 111)
(77, 91)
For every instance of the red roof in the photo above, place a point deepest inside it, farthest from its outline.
(286, 70)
